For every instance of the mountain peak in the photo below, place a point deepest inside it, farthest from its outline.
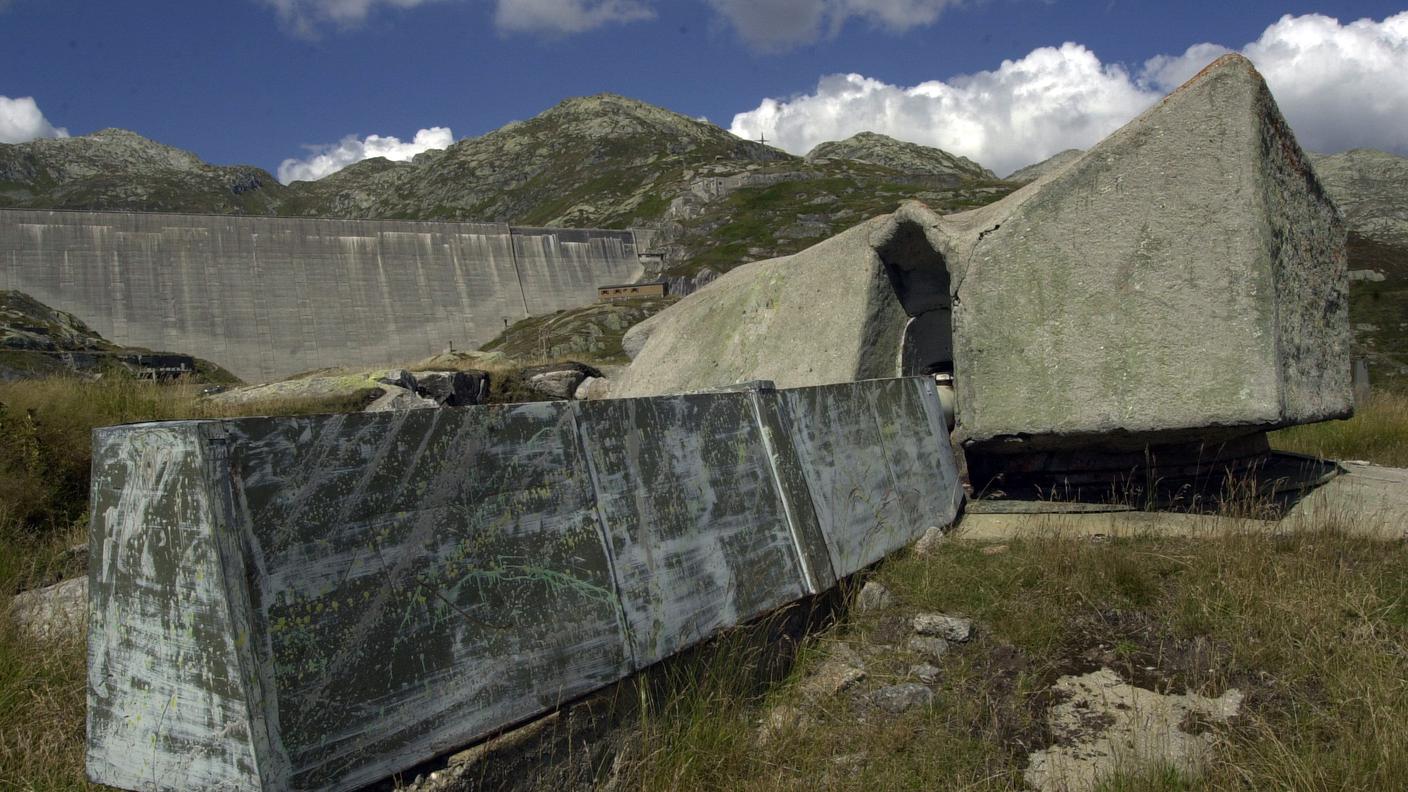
(913, 158)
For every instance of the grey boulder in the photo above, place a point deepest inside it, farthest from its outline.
(1185, 279)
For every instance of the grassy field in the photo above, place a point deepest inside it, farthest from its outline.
(1378, 433)
(1313, 627)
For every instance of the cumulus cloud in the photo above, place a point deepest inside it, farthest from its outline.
(561, 17)
(21, 121)
(307, 17)
(773, 25)
(1054, 98)
(1340, 86)
(333, 157)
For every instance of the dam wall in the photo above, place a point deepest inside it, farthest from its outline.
(319, 602)
(267, 297)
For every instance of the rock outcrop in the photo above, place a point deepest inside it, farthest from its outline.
(121, 170)
(1053, 163)
(911, 158)
(1185, 278)
(1371, 188)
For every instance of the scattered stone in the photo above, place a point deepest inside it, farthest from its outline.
(350, 387)
(872, 597)
(1371, 276)
(840, 671)
(951, 628)
(930, 541)
(54, 612)
(781, 720)
(926, 673)
(1103, 726)
(453, 388)
(399, 378)
(929, 646)
(898, 698)
(558, 380)
(992, 550)
(592, 388)
(396, 399)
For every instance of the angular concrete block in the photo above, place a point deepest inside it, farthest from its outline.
(699, 535)
(1188, 272)
(318, 602)
(824, 315)
(380, 588)
(876, 462)
(1184, 280)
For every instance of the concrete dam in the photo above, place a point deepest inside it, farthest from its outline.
(267, 297)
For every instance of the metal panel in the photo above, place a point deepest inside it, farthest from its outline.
(425, 578)
(697, 530)
(168, 695)
(877, 463)
(315, 603)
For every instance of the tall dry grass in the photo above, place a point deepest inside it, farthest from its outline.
(1378, 433)
(45, 455)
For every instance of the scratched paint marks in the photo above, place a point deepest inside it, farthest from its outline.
(167, 708)
(389, 586)
(879, 469)
(428, 576)
(697, 531)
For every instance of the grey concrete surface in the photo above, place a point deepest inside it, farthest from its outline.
(267, 297)
(1182, 281)
(315, 603)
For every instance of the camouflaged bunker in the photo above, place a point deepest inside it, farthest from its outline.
(1181, 284)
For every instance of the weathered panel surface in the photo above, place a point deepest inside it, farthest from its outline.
(698, 531)
(168, 693)
(424, 578)
(877, 464)
(315, 603)
(266, 297)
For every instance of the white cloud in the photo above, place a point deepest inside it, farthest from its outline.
(1339, 86)
(1052, 99)
(333, 157)
(773, 25)
(307, 17)
(561, 17)
(21, 121)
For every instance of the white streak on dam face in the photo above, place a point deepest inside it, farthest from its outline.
(266, 297)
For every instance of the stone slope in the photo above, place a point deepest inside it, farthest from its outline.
(1037, 170)
(120, 170)
(1371, 188)
(911, 158)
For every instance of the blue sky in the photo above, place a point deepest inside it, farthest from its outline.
(260, 81)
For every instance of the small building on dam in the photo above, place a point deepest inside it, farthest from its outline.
(267, 297)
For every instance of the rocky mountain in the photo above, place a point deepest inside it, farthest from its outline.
(37, 340)
(117, 169)
(898, 155)
(1371, 188)
(1037, 170)
(601, 161)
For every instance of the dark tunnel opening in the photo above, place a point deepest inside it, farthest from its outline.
(919, 275)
